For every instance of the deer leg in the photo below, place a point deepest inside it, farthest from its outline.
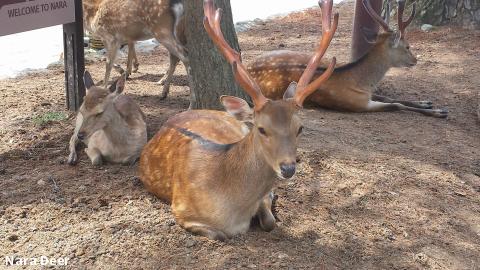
(94, 155)
(131, 56)
(375, 106)
(112, 48)
(135, 60)
(72, 157)
(167, 78)
(424, 104)
(207, 231)
(264, 213)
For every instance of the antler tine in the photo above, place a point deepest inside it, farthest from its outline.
(304, 89)
(212, 25)
(401, 24)
(373, 14)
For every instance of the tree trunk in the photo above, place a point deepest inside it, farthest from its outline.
(211, 75)
(461, 12)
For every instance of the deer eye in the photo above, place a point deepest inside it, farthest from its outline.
(300, 130)
(262, 131)
(408, 47)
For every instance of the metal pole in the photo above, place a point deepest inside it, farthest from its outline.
(361, 19)
(73, 53)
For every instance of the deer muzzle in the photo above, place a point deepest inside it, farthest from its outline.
(287, 170)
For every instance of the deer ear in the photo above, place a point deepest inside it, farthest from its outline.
(118, 86)
(87, 80)
(291, 90)
(369, 35)
(238, 108)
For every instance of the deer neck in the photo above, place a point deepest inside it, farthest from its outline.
(246, 168)
(372, 67)
(117, 130)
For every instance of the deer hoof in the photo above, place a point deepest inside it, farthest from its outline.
(72, 159)
(135, 67)
(425, 104)
(164, 94)
(441, 113)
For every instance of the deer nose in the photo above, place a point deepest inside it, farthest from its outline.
(287, 169)
(81, 135)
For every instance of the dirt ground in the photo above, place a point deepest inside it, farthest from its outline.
(374, 190)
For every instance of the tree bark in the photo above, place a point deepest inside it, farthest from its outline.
(211, 75)
(465, 13)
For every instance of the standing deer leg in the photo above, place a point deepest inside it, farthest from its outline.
(375, 106)
(424, 104)
(167, 78)
(264, 213)
(135, 60)
(112, 49)
(132, 57)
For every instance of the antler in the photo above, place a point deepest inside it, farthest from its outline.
(304, 89)
(373, 14)
(211, 22)
(401, 24)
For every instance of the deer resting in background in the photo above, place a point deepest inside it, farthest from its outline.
(110, 124)
(352, 85)
(119, 22)
(215, 171)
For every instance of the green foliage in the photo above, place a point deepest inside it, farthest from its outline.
(49, 117)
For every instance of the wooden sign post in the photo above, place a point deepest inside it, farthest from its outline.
(74, 59)
(25, 15)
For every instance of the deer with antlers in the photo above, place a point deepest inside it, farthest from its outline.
(352, 85)
(216, 172)
(119, 22)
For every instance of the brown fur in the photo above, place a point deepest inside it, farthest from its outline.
(119, 22)
(351, 86)
(112, 126)
(215, 171)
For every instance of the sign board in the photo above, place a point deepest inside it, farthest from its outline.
(24, 15)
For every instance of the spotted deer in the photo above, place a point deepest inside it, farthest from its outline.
(118, 22)
(110, 124)
(352, 85)
(215, 171)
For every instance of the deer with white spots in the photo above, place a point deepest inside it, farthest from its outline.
(110, 124)
(215, 171)
(352, 85)
(118, 22)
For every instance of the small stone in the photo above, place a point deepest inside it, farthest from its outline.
(12, 238)
(252, 266)
(426, 27)
(299, 36)
(102, 202)
(282, 256)
(40, 182)
(190, 243)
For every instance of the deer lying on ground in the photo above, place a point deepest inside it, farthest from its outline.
(118, 22)
(352, 85)
(110, 124)
(216, 172)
